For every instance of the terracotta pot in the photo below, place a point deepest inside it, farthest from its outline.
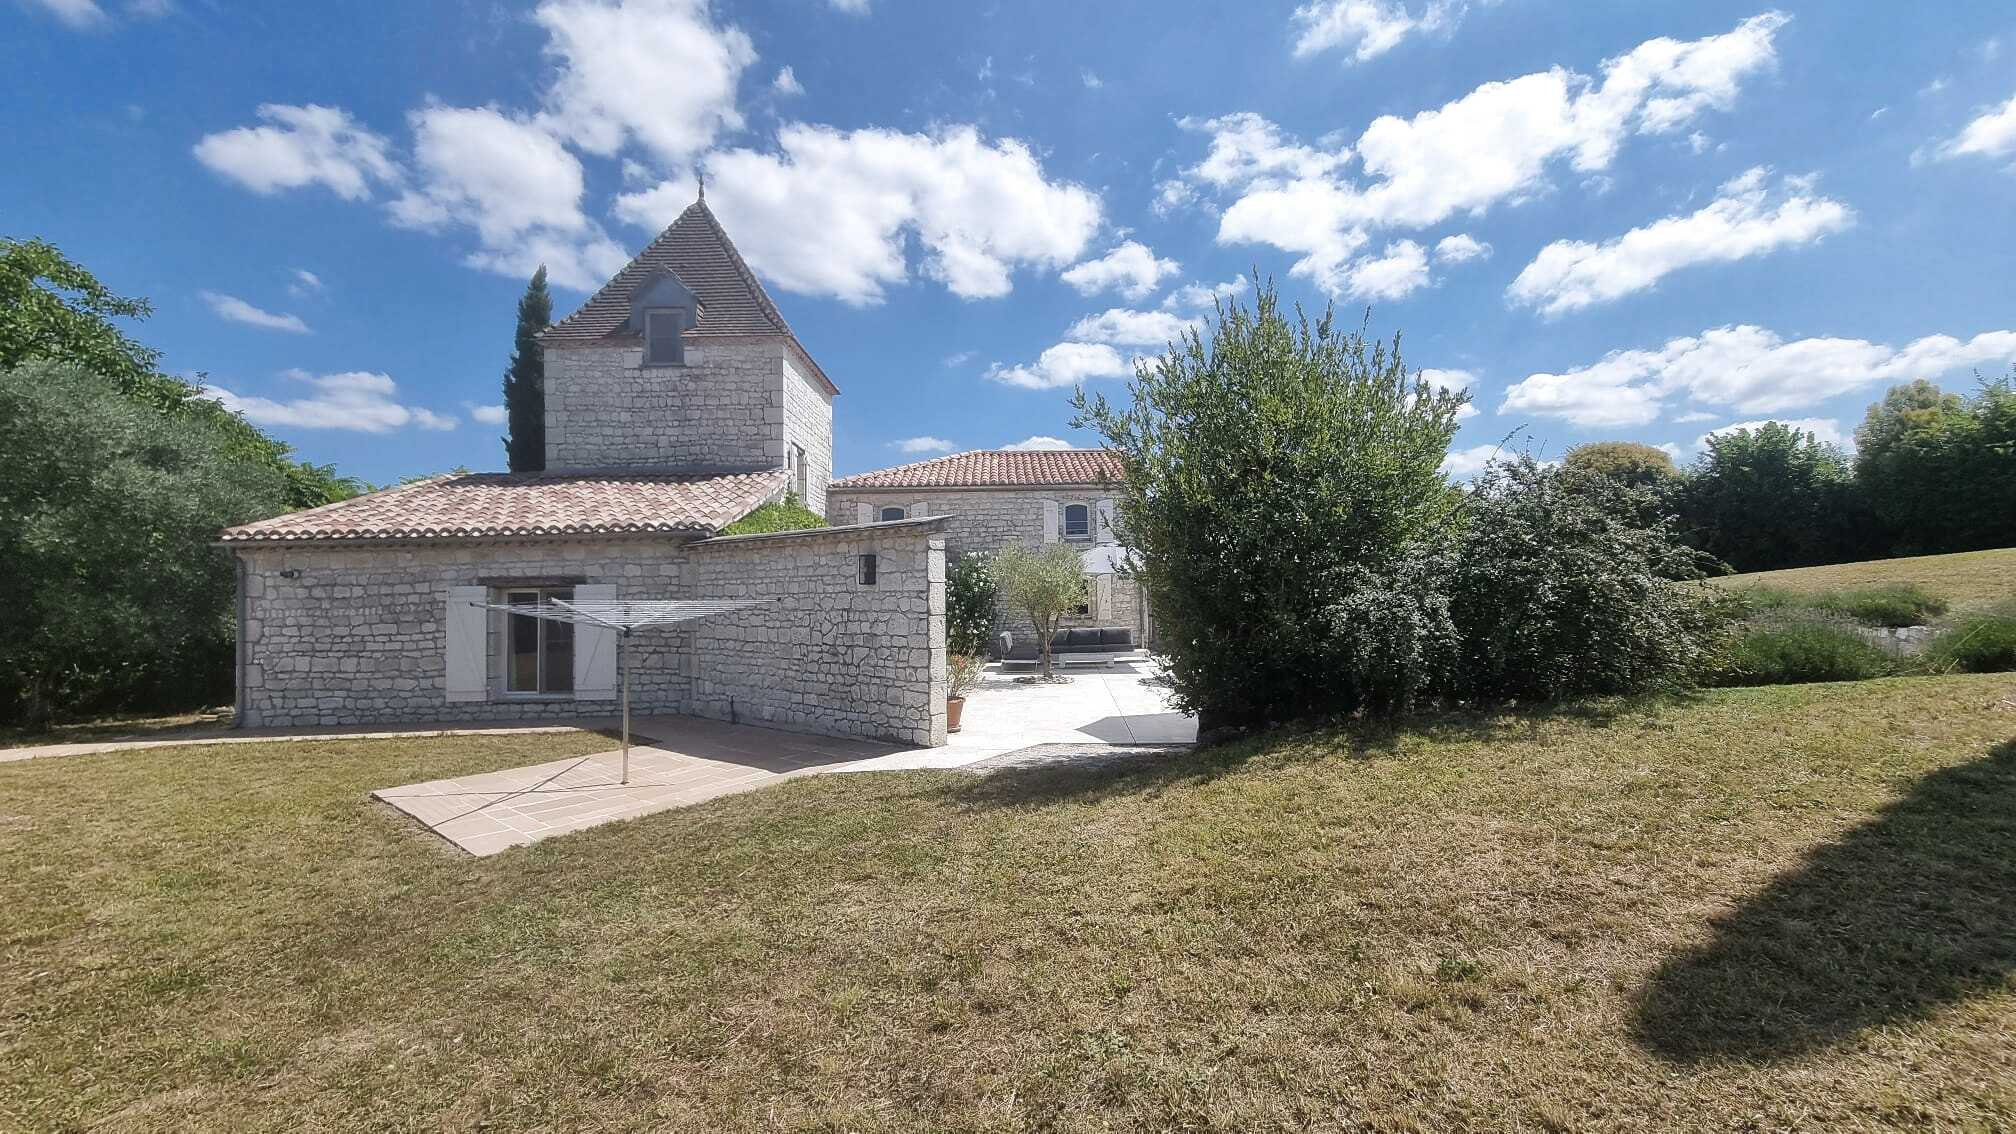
(953, 706)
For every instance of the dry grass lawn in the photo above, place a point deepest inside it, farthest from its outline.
(1760, 909)
(1968, 580)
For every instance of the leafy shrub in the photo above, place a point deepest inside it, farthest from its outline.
(107, 511)
(1269, 465)
(972, 602)
(1392, 642)
(1558, 590)
(787, 515)
(1982, 643)
(1895, 604)
(1798, 648)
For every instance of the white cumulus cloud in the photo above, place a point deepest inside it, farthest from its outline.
(1402, 268)
(1367, 28)
(357, 400)
(487, 415)
(1744, 368)
(1461, 249)
(1039, 442)
(1066, 364)
(232, 309)
(516, 186)
(1745, 220)
(923, 445)
(1131, 268)
(301, 146)
(660, 72)
(832, 212)
(1454, 382)
(786, 83)
(1991, 134)
(1494, 145)
(1120, 326)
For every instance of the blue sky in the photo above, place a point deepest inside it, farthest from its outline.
(1643, 221)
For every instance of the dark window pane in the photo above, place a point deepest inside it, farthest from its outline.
(522, 674)
(892, 514)
(559, 658)
(868, 570)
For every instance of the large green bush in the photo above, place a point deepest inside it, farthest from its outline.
(107, 511)
(972, 603)
(1981, 643)
(1774, 496)
(1557, 590)
(1270, 470)
(1798, 647)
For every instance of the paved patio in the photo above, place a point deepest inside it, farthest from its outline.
(691, 760)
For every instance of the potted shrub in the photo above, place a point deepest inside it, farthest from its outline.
(962, 673)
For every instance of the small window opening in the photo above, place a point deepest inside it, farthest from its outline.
(868, 570)
(662, 344)
(1077, 520)
(889, 514)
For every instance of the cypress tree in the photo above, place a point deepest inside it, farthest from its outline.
(525, 380)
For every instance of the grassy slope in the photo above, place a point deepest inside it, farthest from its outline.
(1968, 579)
(1762, 909)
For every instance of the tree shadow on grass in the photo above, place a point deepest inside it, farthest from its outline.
(1058, 773)
(1909, 912)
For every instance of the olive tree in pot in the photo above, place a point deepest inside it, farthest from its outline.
(962, 673)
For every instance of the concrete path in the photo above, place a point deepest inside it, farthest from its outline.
(1121, 704)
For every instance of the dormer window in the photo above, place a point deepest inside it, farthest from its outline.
(662, 344)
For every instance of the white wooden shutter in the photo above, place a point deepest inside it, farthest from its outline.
(466, 645)
(1104, 511)
(918, 510)
(594, 650)
(1049, 521)
(864, 512)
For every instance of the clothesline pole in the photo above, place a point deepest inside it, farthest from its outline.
(623, 663)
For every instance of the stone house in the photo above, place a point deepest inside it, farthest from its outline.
(677, 401)
(992, 498)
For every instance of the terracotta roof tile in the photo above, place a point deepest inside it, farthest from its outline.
(986, 468)
(697, 250)
(480, 505)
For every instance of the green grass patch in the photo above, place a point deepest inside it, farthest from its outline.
(1797, 648)
(1890, 604)
(1767, 909)
(1981, 643)
(1969, 579)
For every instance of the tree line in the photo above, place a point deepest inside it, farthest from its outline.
(118, 476)
(1932, 472)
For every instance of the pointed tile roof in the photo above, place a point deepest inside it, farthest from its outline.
(996, 468)
(697, 250)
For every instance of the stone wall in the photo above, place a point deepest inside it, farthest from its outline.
(986, 520)
(723, 411)
(357, 637)
(808, 423)
(826, 653)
